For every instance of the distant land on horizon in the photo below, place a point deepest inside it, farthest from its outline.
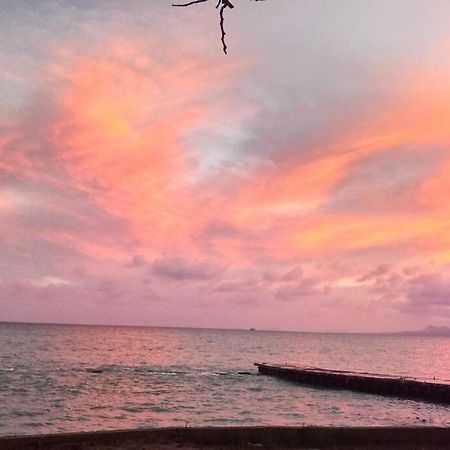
(428, 331)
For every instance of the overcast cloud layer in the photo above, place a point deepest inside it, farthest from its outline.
(302, 182)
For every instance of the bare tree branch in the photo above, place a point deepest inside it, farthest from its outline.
(222, 29)
(190, 3)
(222, 5)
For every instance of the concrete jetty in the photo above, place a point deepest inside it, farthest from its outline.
(240, 438)
(412, 388)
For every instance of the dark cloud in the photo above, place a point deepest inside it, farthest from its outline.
(62, 300)
(245, 300)
(48, 229)
(390, 282)
(136, 261)
(290, 275)
(420, 292)
(182, 270)
(428, 290)
(382, 269)
(307, 287)
(236, 286)
(220, 229)
(384, 182)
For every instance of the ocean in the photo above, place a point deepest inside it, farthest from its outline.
(61, 378)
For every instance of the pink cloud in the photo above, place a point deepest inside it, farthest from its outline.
(142, 168)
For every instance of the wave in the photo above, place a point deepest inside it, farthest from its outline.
(158, 370)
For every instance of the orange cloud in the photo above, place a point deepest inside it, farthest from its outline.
(291, 188)
(339, 234)
(419, 118)
(120, 136)
(435, 191)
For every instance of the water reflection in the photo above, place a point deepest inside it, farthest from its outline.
(172, 377)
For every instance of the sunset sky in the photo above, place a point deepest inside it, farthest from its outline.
(301, 182)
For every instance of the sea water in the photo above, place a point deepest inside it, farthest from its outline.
(60, 378)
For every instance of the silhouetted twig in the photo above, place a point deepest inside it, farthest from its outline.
(222, 29)
(190, 3)
(222, 5)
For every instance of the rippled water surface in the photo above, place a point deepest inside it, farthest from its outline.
(56, 378)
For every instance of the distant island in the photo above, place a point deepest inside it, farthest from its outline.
(428, 331)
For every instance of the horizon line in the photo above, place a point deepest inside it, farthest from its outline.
(214, 328)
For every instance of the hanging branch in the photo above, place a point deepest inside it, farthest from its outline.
(190, 3)
(222, 5)
(225, 4)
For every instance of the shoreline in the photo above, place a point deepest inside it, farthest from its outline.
(267, 437)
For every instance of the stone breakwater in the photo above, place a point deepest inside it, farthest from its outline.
(360, 381)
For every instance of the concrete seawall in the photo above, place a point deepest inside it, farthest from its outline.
(240, 437)
(363, 382)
